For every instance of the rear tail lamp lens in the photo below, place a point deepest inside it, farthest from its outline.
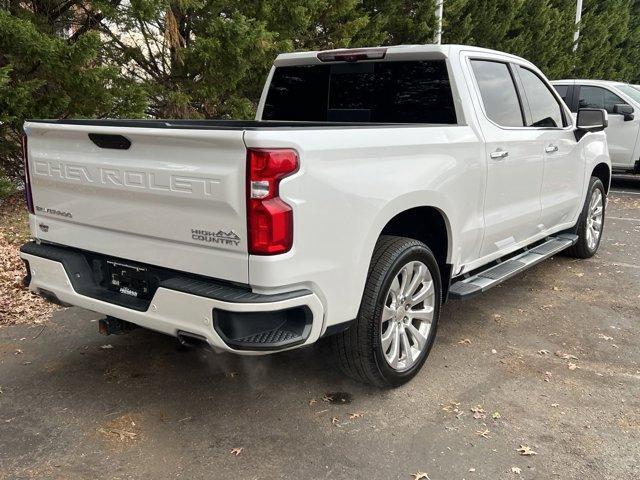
(269, 218)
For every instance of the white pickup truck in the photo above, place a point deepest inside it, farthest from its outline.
(622, 102)
(373, 185)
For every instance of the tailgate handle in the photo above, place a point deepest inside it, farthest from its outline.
(116, 142)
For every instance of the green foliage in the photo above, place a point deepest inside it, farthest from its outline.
(209, 58)
(602, 52)
(7, 185)
(542, 32)
(539, 33)
(43, 75)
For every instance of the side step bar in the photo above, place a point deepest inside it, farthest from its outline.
(482, 281)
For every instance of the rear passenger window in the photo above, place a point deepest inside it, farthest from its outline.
(498, 92)
(545, 109)
(597, 97)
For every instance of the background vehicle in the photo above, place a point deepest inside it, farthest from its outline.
(374, 184)
(622, 102)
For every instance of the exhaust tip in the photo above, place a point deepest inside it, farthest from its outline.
(192, 340)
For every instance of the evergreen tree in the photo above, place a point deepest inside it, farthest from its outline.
(483, 23)
(396, 22)
(50, 67)
(539, 33)
(604, 29)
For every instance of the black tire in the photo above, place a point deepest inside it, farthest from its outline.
(359, 349)
(581, 249)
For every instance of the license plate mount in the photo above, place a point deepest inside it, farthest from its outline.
(127, 279)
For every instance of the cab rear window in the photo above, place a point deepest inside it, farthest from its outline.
(368, 92)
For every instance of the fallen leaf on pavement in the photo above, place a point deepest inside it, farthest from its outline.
(566, 356)
(450, 407)
(312, 401)
(478, 412)
(237, 451)
(543, 352)
(356, 415)
(335, 421)
(526, 451)
(420, 476)
(327, 398)
(516, 470)
(496, 415)
(483, 433)
(464, 341)
(122, 434)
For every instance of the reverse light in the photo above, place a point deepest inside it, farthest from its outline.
(28, 197)
(269, 218)
(352, 55)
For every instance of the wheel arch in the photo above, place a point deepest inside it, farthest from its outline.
(429, 225)
(603, 172)
(424, 223)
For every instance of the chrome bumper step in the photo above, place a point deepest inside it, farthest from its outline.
(482, 281)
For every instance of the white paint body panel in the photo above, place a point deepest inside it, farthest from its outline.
(350, 184)
(142, 203)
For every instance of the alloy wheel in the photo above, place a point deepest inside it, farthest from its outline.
(407, 316)
(595, 217)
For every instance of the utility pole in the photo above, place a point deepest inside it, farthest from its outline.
(439, 8)
(576, 34)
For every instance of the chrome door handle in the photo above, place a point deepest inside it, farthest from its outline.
(551, 148)
(499, 154)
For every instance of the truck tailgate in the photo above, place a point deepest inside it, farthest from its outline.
(174, 198)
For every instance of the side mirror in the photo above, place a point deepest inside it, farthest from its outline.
(625, 110)
(590, 120)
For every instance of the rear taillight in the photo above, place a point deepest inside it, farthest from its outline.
(28, 197)
(269, 218)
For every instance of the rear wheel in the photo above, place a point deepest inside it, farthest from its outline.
(396, 324)
(591, 222)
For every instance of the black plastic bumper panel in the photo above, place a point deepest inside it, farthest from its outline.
(86, 273)
(268, 330)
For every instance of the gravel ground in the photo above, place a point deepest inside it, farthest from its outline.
(548, 361)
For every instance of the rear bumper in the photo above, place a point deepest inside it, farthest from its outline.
(230, 318)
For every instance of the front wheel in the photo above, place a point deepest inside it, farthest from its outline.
(396, 324)
(591, 222)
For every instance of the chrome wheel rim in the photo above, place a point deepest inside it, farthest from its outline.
(407, 316)
(595, 217)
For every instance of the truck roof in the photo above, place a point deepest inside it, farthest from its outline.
(396, 52)
(586, 81)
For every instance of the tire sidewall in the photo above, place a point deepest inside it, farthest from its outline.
(414, 253)
(595, 184)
